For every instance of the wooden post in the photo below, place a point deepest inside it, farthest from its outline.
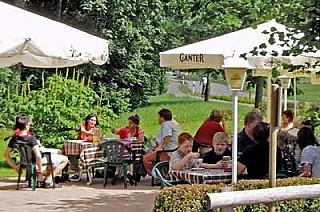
(295, 95)
(274, 122)
(227, 208)
(269, 89)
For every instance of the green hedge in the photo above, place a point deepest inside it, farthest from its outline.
(192, 197)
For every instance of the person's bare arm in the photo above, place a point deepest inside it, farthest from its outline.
(84, 131)
(141, 137)
(219, 165)
(9, 160)
(165, 143)
(180, 164)
(240, 168)
(307, 170)
(38, 156)
(114, 130)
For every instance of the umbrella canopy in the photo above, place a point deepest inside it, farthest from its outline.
(212, 53)
(36, 41)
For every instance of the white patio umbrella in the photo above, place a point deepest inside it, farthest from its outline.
(213, 53)
(36, 41)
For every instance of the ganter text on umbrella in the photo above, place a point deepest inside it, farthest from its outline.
(196, 58)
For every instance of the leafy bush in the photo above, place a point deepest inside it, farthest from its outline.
(57, 109)
(192, 197)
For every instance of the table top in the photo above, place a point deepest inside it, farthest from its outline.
(207, 176)
(90, 153)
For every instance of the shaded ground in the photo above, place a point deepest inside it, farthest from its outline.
(77, 196)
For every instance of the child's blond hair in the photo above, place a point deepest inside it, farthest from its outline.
(221, 137)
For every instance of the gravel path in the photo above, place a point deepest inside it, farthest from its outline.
(215, 89)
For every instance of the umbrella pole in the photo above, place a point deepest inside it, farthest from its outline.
(235, 137)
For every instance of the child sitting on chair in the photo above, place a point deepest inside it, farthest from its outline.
(123, 135)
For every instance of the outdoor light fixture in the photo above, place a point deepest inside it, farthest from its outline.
(236, 72)
(285, 81)
(285, 84)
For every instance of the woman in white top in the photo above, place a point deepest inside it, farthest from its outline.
(287, 117)
(310, 155)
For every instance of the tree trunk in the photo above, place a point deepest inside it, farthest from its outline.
(207, 90)
(59, 9)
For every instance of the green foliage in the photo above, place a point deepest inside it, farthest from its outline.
(192, 197)
(61, 105)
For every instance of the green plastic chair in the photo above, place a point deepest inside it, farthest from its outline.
(158, 155)
(25, 153)
(161, 172)
(113, 152)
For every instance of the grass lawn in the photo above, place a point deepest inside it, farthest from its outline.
(190, 113)
(5, 169)
(311, 93)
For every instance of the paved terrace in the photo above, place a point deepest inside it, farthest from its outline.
(77, 196)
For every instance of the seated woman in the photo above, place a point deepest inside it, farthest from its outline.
(87, 131)
(310, 155)
(133, 126)
(287, 117)
(215, 123)
(184, 158)
(220, 148)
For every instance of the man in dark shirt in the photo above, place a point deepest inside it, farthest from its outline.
(220, 149)
(245, 136)
(23, 124)
(256, 157)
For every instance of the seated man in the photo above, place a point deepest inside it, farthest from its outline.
(251, 120)
(22, 133)
(23, 124)
(220, 148)
(166, 139)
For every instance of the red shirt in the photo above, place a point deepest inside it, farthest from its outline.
(206, 131)
(83, 136)
(17, 132)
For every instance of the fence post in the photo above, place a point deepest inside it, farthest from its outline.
(227, 189)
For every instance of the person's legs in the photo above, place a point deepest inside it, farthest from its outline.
(116, 176)
(130, 174)
(74, 165)
(59, 162)
(149, 159)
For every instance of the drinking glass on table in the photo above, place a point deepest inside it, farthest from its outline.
(199, 162)
(96, 136)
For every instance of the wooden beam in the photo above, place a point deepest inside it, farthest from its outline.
(249, 197)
